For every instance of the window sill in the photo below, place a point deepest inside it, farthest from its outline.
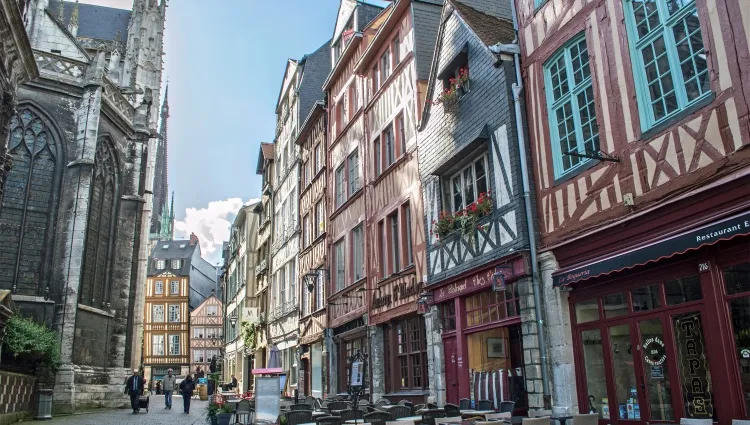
(669, 123)
(591, 163)
(346, 203)
(398, 161)
(394, 276)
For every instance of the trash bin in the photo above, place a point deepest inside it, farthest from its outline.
(44, 404)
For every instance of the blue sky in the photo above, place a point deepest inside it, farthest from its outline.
(225, 60)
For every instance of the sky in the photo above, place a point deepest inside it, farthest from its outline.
(224, 61)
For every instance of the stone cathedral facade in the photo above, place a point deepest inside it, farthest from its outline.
(75, 218)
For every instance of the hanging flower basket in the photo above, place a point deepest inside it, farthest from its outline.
(451, 95)
(451, 106)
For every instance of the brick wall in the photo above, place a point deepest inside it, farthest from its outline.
(16, 395)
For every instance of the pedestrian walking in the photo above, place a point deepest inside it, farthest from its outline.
(169, 383)
(134, 387)
(186, 388)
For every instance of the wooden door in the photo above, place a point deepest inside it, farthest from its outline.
(451, 370)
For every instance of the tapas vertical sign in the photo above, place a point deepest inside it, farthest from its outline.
(696, 380)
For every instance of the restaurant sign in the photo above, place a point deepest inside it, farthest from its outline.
(396, 293)
(479, 280)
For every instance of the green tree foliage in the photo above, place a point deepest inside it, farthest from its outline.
(32, 343)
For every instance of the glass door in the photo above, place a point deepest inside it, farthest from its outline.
(626, 394)
(655, 371)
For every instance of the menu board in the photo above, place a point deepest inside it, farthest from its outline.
(267, 398)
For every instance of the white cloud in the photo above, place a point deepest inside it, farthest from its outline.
(211, 225)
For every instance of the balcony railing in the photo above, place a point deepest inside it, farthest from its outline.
(262, 267)
(284, 309)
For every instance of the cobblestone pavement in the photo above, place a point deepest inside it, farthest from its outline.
(157, 415)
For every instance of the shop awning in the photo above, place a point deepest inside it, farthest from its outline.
(680, 243)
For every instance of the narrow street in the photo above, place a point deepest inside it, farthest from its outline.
(157, 415)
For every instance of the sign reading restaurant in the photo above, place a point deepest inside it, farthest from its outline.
(738, 225)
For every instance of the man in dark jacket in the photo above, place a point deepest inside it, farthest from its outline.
(134, 387)
(186, 388)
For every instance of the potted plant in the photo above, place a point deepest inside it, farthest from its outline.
(213, 410)
(224, 415)
(457, 87)
(444, 225)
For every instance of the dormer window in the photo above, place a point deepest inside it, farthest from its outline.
(165, 246)
(183, 245)
(176, 264)
(455, 75)
(160, 264)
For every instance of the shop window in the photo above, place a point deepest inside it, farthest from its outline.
(596, 387)
(499, 352)
(490, 306)
(449, 316)
(587, 311)
(615, 305)
(692, 363)
(740, 309)
(658, 386)
(683, 290)
(669, 59)
(411, 354)
(737, 279)
(626, 392)
(646, 298)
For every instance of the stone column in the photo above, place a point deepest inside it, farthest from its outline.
(7, 109)
(559, 340)
(79, 176)
(333, 363)
(531, 354)
(435, 355)
(377, 362)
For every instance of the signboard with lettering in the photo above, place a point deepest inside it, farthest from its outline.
(728, 228)
(481, 280)
(691, 356)
(401, 291)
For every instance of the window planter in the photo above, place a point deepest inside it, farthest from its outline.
(465, 220)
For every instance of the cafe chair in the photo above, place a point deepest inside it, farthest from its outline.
(310, 400)
(484, 405)
(452, 420)
(464, 404)
(300, 406)
(688, 421)
(329, 420)
(542, 420)
(337, 405)
(297, 417)
(416, 408)
(586, 419)
(347, 415)
(406, 403)
(244, 413)
(497, 416)
(451, 410)
(399, 423)
(378, 418)
(432, 406)
(507, 406)
(382, 402)
(400, 411)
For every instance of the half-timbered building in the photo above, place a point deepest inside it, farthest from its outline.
(206, 333)
(396, 67)
(345, 223)
(264, 209)
(312, 255)
(639, 129)
(469, 162)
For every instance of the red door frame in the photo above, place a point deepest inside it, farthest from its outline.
(451, 369)
(714, 318)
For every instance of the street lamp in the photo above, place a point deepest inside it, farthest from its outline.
(310, 277)
(233, 320)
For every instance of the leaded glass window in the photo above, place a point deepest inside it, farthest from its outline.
(157, 313)
(570, 101)
(669, 59)
(100, 227)
(28, 205)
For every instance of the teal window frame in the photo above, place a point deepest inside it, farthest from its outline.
(637, 43)
(571, 96)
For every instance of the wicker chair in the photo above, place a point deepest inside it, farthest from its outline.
(329, 420)
(382, 402)
(464, 404)
(298, 417)
(507, 406)
(400, 411)
(244, 414)
(378, 418)
(451, 410)
(347, 415)
(337, 405)
(484, 405)
(406, 403)
(301, 406)
(416, 408)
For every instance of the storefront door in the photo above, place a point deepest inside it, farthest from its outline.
(451, 370)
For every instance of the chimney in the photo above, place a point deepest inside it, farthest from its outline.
(193, 239)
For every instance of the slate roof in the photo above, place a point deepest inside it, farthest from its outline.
(172, 251)
(99, 22)
(366, 12)
(267, 149)
(316, 67)
(490, 29)
(426, 27)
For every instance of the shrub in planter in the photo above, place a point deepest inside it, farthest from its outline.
(33, 344)
(224, 415)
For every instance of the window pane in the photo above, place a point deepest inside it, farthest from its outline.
(740, 308)
(646, 16)
(646, 298)
(587, 311)
(593, 359)
(623, 370)
(457, 190)
(481, 176)
(566, 135)
(692, 56)
(469, 185)
(656, 374)
(737, 279)
(580, 60)
(683, 290)
(697, 390)
(376, 152)
(558, 73)
(587, 112)
(615, 305)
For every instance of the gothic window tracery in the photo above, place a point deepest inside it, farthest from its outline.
(28, 210)
(100, 228)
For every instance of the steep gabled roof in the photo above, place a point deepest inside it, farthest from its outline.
(172, 250)
(266, 153)
(315, 68)
(490, 29)
(99, 22)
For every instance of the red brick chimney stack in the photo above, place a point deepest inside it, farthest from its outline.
(193, 239)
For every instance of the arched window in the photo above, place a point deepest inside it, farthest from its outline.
(100, 230)
(29, 204)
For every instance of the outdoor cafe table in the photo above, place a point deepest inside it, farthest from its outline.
(416, 419)
(318, 413)
(470, 412)
(356, 422)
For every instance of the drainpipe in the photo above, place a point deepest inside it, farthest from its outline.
(530, 224)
